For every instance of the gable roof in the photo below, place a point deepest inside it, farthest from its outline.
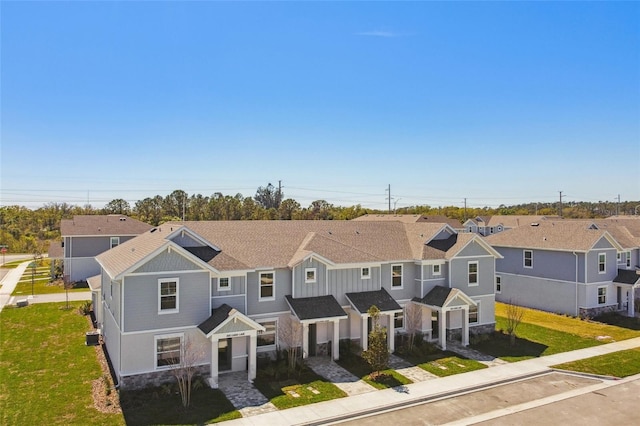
(514, 221)
(552, 235)
(315, 308)
(410, 218)
(627, 276)
(441, 297)
(222, 315)
(107, 225)
(363, 300)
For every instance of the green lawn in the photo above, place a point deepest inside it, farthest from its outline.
(46, 370)
(14, 264)
(617, 364)
(359, 368)
(450, 365)
(542, 333)
(41, 282)
(300, 389)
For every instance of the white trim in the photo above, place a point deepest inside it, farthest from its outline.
(111, 242)
(477, 273)
(158, 330)
(177, 295)
(155, 348)
(477, 313)
(266, 348)
(524, 258)
(273, 286)
(312, 280)
(603, 264)
(141, 274)
(469, 257)
(401, 286)
(100, 235)
(362, 275)
(604, 295)
(226, 296)
(433, 270)
(498, 278)
(228, 287)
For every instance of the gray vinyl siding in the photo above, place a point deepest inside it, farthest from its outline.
(303, 289)
(89, 246)
(236, 302)
(486, 275)
(236, 287)
(473, 249)
(409, 282)
(554, 265)
(113, 302)
(611, 265)
(111, 336)
(343, 281)
(282, 288)
(168, 261)
(141, 301)
(541, 293)
(427, 272)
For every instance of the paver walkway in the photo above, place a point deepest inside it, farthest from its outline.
(408, 370)
(469, 353)
(243, 395)
(340, 377)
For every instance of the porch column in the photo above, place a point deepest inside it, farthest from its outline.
(364, 335)
(213, 380)
(391, 341)
(253, 348)
(305, 340)
(335, 346)
(631, 308)
(442, 336)
(465, 326)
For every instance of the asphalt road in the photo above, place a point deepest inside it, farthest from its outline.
(538, 401)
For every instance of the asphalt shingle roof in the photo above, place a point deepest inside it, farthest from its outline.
(436, 297)
(309, 308)
(627, 276)
(108, 225)
(218, 316)
(362, 301)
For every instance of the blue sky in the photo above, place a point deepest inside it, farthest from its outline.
(496, 102)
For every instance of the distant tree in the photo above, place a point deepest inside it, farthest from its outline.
(320, 210)
(117, 206)
(268, 197)
(175, 204)
(288, 208)
(377, 353)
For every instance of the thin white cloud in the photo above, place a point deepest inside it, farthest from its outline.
(379, 33)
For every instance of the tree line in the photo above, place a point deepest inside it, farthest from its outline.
(25, 230)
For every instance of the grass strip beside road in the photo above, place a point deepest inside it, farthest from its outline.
(448, 366)
(307, 388)
(616, 364)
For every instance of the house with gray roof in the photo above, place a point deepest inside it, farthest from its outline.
(564, 266)
(86, 236)
(232, 289)
(489, 225)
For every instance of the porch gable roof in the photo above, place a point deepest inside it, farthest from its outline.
(445, 297)
(363, 300)
(225, 319)
(627, 276)
(315, 308)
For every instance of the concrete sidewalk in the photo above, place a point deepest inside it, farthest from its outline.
(325, 412)
(10, 280)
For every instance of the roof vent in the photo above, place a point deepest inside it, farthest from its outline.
(122, 219)
(535, 224)
(153, 230)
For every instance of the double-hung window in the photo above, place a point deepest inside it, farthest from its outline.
(528, 258)
(268, 337)
(396, 276)
(114, 241)
(498, 284)
(168, 350)
(474, 313)
(398, 320)
(602, 263)
(602, 295)
(168, 295)
(473, 273)
(628, 259)
(267, 286)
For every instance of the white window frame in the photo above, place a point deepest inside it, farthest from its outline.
(498, 284)
(155, 348)
(173, 310)
(438, 272)
(111, 242)
(524, 259)
(273, 286)
(477, 274)
(401, 276)
(477, 307)
(275, 335)
(401, 314)
(367, 275)
(602, 264)
(628, 259)
(312, 280)
(603, 295)
(619, 257)
(228, 286)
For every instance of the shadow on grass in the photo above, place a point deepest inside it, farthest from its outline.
(499, 345)
(162, 405)
(614, 318)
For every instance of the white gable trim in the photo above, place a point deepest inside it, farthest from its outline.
(483, 244)
(445, 227)
(183, 229)
(611, 240)
(235, 315)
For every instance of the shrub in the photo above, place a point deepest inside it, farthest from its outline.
(85, 308)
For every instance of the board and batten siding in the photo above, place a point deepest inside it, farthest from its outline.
(350, 280)
(304, 289)
(236, 302)
(141, 301)
(282, 288)
(236, 287)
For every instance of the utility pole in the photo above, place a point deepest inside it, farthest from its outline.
(560, 204)
(618, 206)
(389, 197)
(465, 209)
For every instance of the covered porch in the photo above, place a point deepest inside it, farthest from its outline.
(312, 312)
(444, 300)
(234, 338)
(626, 283)
(361, 303)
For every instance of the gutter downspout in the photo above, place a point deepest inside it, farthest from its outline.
(576, 255)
